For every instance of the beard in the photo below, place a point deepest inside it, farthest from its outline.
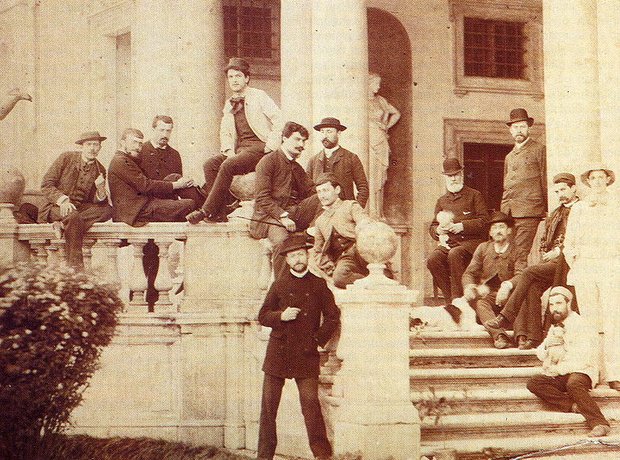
(329, 144)
(299, 267)
(454, 188)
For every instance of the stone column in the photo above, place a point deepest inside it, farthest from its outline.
(340, 70)
(296, 62)
(571, 85)
(608, 15)
(375, 414)
(179, 72)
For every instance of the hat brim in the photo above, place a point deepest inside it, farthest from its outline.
(610, 173)
(452, 172)
(243, 70)
(530, 121)
(295, 247)
(329, 125)
(95, 138)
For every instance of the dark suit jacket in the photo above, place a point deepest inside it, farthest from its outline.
(525, 181)
(486, 264)
(158, 163)
(348, 168)
(130, 189)
(468, 207)
(555, 228)
(61, 178)
(273, 187)
(292, 348)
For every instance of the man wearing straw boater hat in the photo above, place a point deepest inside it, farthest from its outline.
(593, 255)
(525, 182)
(75, 193)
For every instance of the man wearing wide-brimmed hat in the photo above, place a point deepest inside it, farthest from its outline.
(492, 274)
(250, 127)
(525, 182)
(345, 165)
(464, 233)
(593, 255)
(75, 193)
(302, 313)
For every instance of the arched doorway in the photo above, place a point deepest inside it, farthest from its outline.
(389, 55)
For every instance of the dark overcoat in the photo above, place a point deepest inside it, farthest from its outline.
(292, 349)
(159, 163)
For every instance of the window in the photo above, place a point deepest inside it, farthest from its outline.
(497, 47)
(494, 48)
(252, 29)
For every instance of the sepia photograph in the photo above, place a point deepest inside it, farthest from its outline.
(309, 229)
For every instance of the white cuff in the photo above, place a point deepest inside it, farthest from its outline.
(62, 199)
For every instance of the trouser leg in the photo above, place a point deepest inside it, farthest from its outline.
(541, 272)
(210, 168)
(277, 235)
(524, 233)
(578, 388)
(313, 417)
(437, 264)
(267, 433)
(485, 309)
(349, 267)
(458, 260)
(552, 390)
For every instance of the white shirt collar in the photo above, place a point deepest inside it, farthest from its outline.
(290, 157)
(570, 205)
(299, 275)
(330, 152)
(502, 250)
(156, 146)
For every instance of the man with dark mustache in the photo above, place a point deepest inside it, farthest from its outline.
(334, 159)
(286, 200)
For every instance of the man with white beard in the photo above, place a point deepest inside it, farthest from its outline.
(465, 231)
(593, 254)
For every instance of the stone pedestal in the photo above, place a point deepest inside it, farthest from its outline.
(375, 415)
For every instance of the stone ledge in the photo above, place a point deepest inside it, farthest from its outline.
(498, 395)
(476, 372)
(474, 352)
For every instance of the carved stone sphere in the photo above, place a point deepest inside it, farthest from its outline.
(377, 242)
(243, 186)
(12, 184)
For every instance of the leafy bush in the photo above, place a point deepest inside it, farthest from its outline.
(54, 323)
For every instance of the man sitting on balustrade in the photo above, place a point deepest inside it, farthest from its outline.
(75, 194)
(136, 199)
(334, 240)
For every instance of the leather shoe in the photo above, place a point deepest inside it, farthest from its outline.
(599, 431)
(615, 385)
(527, 344)
(195, 217)
(501, 341)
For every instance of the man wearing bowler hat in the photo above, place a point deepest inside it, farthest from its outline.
(464, 233)
(75, 193)
(525, 182)
(492, 273)
(293, 309)
(334, 159)
(535, 279)
(593, 255)
(250, 127)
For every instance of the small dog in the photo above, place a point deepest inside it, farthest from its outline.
(458, 316)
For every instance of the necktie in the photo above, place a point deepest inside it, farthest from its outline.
(237, 103)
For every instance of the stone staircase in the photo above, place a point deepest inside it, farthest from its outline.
(473, 399)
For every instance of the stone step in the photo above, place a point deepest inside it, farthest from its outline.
(498, 400)
(429, 338)
(495, 426)
(472, 357)
(550, 446)
(470, 378)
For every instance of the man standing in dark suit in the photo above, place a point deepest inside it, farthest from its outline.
(535, 279)
(136, 198)
(286, 200)
(76, 198)
(466, 231)
(293, 308)
(345, 165)
(525, 182)
(492, 273)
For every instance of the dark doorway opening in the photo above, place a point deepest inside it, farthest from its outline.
(484, 170)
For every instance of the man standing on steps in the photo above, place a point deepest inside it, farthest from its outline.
(525, 182)
(492, 273)
(535, 279)
(569, 354)
(302, 314)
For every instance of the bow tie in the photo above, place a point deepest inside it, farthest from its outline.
(237, 103)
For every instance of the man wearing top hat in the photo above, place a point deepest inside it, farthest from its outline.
(75, 193)
(525, 182)
(345, 165)
(301, 312)
(535, 279)
(250, 127)
(492, 273)
(593, 255)
(466, 230)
